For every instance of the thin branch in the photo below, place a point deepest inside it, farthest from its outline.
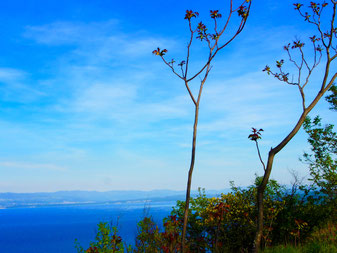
(258, 151)
(317, 24)
(188, 49)
(241, 26)
(302, 96)
(304, 60)
(333, 57)
(228, 18)
(203, 82)
(189, 92)
(171, 67)
(332, 25)
(326, 74)
(291, 59)
(182, 70)
(334, 77)
(215, 26)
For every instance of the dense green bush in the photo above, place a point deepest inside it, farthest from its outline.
(322, 240)
(227, 224)
(303, 217)
(107, 241)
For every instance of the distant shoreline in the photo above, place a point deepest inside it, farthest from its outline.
(80, 198)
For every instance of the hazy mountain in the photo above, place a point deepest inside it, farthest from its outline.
(9, 200)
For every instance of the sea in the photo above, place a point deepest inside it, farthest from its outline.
(53, 229)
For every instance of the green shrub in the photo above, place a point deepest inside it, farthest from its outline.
(319, 247)
(107, 241)
(282, 249)
(326, 234)
(148, 237)
(227, 223)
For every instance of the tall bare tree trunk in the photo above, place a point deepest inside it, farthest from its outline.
(262, 187)
(327, 44)
(259, 201)
(189, 181)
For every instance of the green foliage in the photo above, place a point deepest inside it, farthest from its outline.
(106, 241)
(332, 98)
(326, 234)
(319, 248)
(303, 218)
(282, 249)
(255, 135)
(308, 248)
(148, 237)
(323, 160)
(322, 240)
(227, 223)
(297, 218)
(151, 240)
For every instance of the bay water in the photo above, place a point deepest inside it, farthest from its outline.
(53, 229)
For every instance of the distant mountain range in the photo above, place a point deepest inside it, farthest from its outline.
(15, 200)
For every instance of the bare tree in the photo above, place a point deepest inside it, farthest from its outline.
(214, 45)
(323, 48)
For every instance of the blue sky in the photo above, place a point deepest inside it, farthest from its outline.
(84, 105)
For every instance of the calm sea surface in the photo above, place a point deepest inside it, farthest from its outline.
(54, 229)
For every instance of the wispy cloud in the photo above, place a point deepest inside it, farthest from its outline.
(105, 84)
(97, 101)
(31, 166)
(96, 40)
(15, 86)
(10, 75)
(69, 33)
(99, 72)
